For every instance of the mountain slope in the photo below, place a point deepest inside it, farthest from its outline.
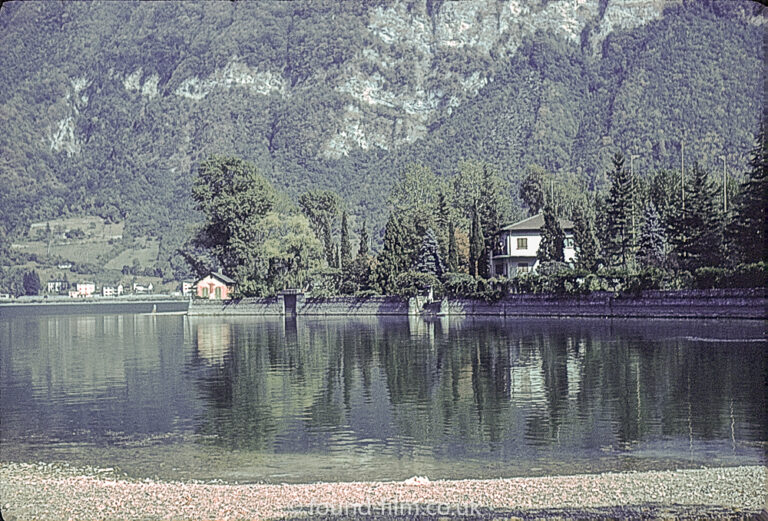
(107, 108)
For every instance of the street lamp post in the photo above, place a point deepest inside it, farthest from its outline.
(682, 173)
(725, 193)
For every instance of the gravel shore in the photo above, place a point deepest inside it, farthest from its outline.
(50, 491)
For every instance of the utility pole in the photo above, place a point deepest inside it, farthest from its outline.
(725, 193)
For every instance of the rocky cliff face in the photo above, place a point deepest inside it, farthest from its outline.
(421, 37)
(418, 60)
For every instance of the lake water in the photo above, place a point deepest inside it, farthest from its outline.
(298, 400)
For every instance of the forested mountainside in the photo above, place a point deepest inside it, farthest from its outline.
(109, 107)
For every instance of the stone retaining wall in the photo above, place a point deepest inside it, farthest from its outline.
(244, 306)
(351, 306)
(734, 303)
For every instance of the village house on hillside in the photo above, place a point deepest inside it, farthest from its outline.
(57, 286)
(83, 290)
(518, 244)
(215, 285)
(112, 291)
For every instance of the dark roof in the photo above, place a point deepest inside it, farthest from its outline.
(534, 224)
(218, 275)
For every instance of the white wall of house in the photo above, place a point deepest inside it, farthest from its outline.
(521, 248)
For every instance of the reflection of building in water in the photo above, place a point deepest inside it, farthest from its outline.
(85, 327)
(214, 341)
(526, 381)
(419, 327)
(574, 365)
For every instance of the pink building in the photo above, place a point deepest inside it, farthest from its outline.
(82, 290)
(215, 286)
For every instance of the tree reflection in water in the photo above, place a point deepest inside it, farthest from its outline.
(475, 388)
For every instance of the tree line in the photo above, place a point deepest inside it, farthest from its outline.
(666, 230)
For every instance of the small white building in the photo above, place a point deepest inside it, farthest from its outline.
(57, 286)
(140, 289)
(188, 288)
(112, 291)
(518, 244)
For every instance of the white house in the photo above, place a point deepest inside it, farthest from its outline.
(188, 288)
(140, 289)
(518, 244)
(57, 286)
(112, 291)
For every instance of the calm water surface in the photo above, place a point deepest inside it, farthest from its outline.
(296, 400)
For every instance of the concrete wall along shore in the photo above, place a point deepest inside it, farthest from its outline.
(352, 306)
(283, 305)
(723, 303)
(244, 306)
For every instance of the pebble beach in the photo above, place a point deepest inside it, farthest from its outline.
(59, 492)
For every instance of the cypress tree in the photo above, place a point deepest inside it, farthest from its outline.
(395, 256)
(585, 239)
(453, 254)
(618, 219)
(429, 260)
(552, 238)
(337, 257)
(362, 251)
(328, 248)
(490, 217)
(346, 247)
(476, 244)
(31, 283)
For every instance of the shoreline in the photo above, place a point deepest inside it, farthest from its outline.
(56, 491)
(740, 304)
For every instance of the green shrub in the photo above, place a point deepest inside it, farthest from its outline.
(412, 283)
(459, 285)
(708, 277)
(747, 276)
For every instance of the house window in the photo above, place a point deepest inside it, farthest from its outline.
(522, 267)
(218, 292)
(499, 270)
(205, 292)
(522, 244)
(568, 242)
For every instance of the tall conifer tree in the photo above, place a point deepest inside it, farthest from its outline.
(651, 248)
(696, 232)
(362, 251)
(453, 254)
(346, 247)
(476, 245)
(429, 259)
(585, 238)
(619, 243)
(552, 238)
(749, 229)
